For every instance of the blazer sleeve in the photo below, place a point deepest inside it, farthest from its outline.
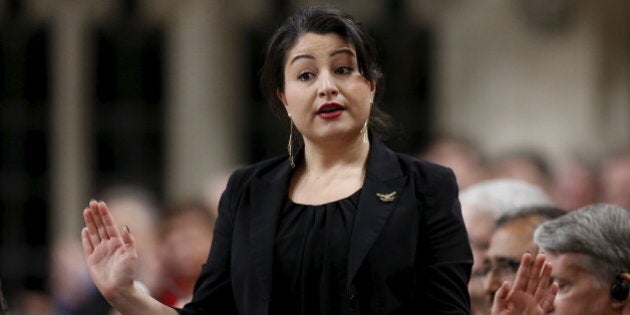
(213, 289)
(447, 262)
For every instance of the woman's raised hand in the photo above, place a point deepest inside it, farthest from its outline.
(532, 292)
(110, 251)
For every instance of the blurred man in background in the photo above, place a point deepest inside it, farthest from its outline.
(482, 204)
(514, 235)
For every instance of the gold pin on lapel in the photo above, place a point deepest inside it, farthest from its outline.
(387, 197)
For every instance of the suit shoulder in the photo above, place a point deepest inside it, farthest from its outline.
(243, 175)
(426, 170)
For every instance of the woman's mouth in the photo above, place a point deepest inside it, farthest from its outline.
(330, 111)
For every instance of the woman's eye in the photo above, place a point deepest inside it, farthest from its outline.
(305, 76)
(343, 70)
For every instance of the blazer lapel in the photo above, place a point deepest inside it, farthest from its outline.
(267, 196)
(383, 177)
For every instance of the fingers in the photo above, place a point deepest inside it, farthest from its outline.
(88, 248)
(127, 237)
(547, 304)
(523, 273)
(543, 283)
(92, 229)
(501, 295)
(110, 226)
(98, 220)
(535, 273)
(99, 225)
(499, 304)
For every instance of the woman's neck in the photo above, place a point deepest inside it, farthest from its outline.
(329, 172)
(322, 159)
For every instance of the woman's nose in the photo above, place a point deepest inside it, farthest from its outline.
(327, 85)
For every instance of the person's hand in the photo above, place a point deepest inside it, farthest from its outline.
(110, 252)
(532, 292)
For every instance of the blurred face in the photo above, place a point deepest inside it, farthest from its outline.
(480, 226)
(580, 293)
(523, 169)
(191, 231)
(574, 187)
(507, 245)
(616, 182)
(324, 93)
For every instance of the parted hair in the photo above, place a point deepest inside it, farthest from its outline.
(322, 20)
(599, 232)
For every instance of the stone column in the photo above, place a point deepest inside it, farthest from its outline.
(202, 135)
(70, 155)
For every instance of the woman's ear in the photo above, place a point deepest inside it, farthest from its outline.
(373, 88)
(281, 97)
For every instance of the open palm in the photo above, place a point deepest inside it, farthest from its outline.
(532, 292)
(110, 252)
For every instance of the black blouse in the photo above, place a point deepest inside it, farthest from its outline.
(310, 257)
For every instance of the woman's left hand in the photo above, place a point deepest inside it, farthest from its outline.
(532, 292)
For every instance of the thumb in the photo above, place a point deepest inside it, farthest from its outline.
(127, 237)
(500, 298)
(502, 292)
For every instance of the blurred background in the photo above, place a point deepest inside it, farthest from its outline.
(163, 95)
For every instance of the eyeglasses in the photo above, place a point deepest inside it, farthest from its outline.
(501, 266)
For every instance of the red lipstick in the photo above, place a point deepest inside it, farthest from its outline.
(330, 110)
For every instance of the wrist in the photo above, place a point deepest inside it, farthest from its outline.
(128, 294)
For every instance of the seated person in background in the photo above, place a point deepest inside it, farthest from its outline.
(461, 155)
(482, 204)
(185, 235)
(615, 179)
(527, 164)
(513, 236)
(590, 253)
(575, 184)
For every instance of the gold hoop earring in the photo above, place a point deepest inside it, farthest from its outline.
(290, 145)
(364, 132)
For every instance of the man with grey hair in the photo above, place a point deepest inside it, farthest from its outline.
(482, 204)
(590, 253)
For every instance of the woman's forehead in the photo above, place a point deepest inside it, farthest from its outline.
(312, 42)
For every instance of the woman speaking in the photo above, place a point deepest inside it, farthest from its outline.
(342, 225)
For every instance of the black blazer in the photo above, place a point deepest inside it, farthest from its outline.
(406, 256)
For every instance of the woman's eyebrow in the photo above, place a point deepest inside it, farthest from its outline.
(345, 51)
(301, 56)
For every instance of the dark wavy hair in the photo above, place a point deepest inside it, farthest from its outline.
(323, 20)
